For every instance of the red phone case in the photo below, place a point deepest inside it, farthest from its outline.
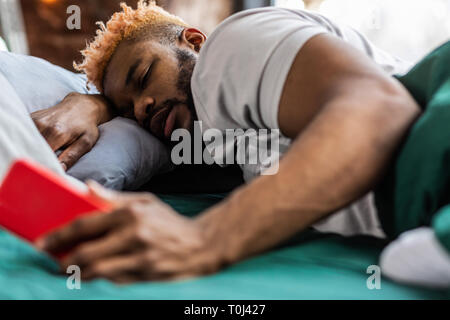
(35, 201)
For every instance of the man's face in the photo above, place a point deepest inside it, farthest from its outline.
(150, 82)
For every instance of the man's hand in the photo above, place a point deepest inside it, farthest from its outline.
(72, 125)
(144, 239)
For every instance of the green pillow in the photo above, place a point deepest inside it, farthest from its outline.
(417, 184)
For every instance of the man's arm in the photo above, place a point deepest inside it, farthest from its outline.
(346, 117)
(72, 125)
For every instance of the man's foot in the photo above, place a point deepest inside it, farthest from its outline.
(417, 258)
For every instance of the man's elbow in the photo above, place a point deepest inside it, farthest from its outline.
(396, 108)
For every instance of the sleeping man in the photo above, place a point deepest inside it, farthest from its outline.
(324, 91)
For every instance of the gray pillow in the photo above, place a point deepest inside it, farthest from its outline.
(125, 157)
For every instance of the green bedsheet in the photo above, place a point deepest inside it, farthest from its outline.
(414, 192)
(310, 266)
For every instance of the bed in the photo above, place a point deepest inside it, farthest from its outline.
(309, 266)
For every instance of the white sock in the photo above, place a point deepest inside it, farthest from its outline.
(417, 258)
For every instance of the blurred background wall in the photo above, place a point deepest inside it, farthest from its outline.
(406, 28)
(48, 37)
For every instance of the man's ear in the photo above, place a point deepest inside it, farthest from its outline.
(193, 38)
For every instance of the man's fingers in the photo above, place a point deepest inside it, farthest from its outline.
(115, 269)
(102, 193)
(96, 225)
(77, 149)
(114, 243)
(126, 269)
(83, 229)
(56, 142)
(53, 134)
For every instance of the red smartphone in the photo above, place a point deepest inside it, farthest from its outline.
(35, 201)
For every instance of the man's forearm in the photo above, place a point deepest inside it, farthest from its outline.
(335, 161)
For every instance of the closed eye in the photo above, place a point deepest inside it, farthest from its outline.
(146, 77)
(148, 74)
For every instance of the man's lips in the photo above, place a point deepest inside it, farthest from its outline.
(169, 125)
(156, 124)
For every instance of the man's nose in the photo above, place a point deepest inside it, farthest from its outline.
(143, 108)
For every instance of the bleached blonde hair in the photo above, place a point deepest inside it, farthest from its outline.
(123, 25)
